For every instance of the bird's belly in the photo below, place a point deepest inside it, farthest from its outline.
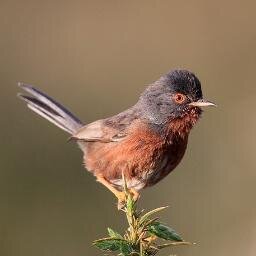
(172, 158)
(141, 177)
(149, 177)
(168, 164)
(144, 161)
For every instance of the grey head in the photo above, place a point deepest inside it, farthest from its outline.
(173, 95)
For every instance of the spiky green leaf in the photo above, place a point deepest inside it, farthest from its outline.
(126, 249)
(114, 234)
(162, 246)
(113, 244)
(148, 214)
(162, 231)
(107, 244)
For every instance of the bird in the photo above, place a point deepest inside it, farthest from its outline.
(143, 143)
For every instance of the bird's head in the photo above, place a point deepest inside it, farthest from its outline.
(175, 95)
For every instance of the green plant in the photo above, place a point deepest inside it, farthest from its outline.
(142, 235)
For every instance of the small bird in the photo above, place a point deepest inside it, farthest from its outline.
(143, 143)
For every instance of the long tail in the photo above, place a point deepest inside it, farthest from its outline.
(51, 110)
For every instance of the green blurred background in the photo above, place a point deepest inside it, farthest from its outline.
(96, 57)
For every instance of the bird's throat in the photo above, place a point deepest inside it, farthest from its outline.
(181, 126)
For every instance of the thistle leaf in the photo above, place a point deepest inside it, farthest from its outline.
(162, 231)
(126, 249)
(148, 214)
(114, 244)
(148, 223)
(107, 244)
(114, 234)
(162, 246)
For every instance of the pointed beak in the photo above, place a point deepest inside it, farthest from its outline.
(202, 103)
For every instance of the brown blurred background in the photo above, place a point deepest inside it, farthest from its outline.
(96, 57)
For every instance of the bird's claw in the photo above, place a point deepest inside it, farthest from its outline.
(121, 200)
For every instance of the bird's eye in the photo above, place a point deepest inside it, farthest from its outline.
(179, 98)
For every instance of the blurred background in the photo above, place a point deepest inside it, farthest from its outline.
(96, 57)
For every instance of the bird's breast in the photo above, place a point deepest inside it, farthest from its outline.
(144, 157)
(171, 157)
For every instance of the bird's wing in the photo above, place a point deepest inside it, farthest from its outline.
(99, 131)
(111, 129)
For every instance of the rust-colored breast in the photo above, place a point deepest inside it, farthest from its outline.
(171, 157)
(144, 156)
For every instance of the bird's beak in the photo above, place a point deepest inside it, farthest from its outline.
(202, 103)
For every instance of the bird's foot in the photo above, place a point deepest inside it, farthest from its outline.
(121, 196)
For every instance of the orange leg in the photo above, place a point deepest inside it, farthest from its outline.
(119, 194)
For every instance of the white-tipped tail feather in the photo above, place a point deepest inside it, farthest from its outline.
(51, 110)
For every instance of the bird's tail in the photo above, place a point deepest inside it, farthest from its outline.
(51, 110)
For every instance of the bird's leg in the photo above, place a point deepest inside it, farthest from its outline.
(135, 194)
(119, 194)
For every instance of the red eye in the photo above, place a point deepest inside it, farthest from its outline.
(179, 98)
